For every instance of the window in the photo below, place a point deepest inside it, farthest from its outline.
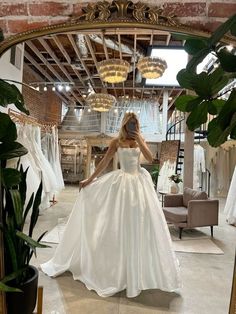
(16, 57)
(176, 59)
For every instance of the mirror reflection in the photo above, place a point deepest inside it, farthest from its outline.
(71, 133)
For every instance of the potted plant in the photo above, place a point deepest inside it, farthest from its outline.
(20, 281)
(154, 174)
(175, 179)
(209, 88)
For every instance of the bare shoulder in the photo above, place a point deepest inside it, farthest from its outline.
(114, 144)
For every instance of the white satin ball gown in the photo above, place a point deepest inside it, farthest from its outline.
(230, 205)
(116, 237)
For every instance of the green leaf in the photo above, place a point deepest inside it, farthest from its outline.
(8, 131)
(192, 46)
(233, 133)
(227, 60)
(222, 30)
(218, 104)
(197, 58)
(227, 111)
(206, 85)
(182, 102)
(11, 150)
(23, 185)
(197, 117)
(27, 209)
(211, 108)
(17, 205)
(192, 104)
(35, 211)
(216, 135)
(10, 247)
(6, 288)
(10, 177)
(185, 78)
(10, 94)
(32, 243)
(201, 85)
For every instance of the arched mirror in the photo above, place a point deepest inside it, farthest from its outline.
(61, 66)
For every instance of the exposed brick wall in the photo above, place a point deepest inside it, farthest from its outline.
(45, 106)
(19, 17)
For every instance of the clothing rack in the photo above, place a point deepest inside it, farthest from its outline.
(25, 119)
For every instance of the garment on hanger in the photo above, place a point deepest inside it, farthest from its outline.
(230, 205)
(198, 165)
(168, 169)
(50, 150)
(39, 167)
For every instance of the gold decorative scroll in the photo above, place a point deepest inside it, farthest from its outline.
(124, 10)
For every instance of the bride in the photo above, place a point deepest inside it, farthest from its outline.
(116, 237)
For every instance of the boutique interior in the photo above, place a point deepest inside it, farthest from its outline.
(74, 115)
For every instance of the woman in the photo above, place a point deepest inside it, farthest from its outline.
(116, 237)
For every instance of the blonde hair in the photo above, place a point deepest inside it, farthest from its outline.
(123, 133)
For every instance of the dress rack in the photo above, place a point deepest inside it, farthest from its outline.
(25, 119)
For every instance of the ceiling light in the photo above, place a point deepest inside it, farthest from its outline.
(113, 70)
(45, 88)
(60, 87)
(101, 102)
(53, 88)
(116, 110)
(151, 67)
(67, 88)
(89, 110)
(37, 88)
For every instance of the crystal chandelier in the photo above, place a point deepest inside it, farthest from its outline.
(113, 70)
(101, 102)
(151, 67)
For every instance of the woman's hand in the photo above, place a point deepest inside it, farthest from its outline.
(136, 135)
(84, 183)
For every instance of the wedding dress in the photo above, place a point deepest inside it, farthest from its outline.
(116, 237)
(230, 206)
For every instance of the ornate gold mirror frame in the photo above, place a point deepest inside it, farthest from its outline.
(106, 15)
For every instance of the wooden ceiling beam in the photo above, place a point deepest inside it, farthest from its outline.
(63, 69)
(68, 59)
(44, 60)
(91, 50)
(76, 49)
(45, 74)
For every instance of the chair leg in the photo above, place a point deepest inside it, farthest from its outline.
(180, 232)
(212, 231)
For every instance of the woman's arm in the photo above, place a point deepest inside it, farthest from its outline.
(102, 164)
(143, 146)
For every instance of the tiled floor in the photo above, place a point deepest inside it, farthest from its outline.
(206, 278)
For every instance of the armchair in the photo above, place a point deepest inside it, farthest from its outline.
(191, 209)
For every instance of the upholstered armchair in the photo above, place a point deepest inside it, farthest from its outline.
(191, 209)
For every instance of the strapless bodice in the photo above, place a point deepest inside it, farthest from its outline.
(129, 159)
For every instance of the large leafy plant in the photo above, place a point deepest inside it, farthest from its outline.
(208, 88)
(18, 246)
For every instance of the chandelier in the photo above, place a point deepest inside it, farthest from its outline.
(113, 70)
(100, 102)
(151, 67)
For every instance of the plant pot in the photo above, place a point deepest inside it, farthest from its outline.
(24, 302)
(174, 188)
